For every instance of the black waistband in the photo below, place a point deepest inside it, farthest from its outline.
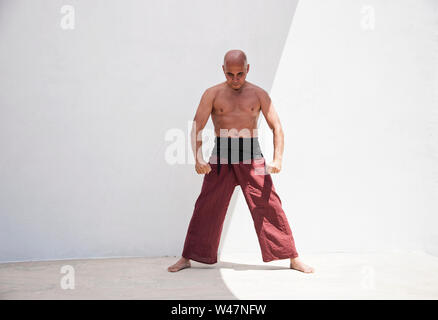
(242, 149)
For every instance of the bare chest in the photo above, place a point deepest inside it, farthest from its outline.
(229, 104)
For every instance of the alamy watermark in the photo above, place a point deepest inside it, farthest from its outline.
(368, 17)
(182, 144)
(68, 21)
(68, 280)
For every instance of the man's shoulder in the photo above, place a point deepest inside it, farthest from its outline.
(213, 90)
(258, 89)
(216, 87)
(260, 92)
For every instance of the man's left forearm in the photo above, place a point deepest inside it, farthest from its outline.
(278, 144)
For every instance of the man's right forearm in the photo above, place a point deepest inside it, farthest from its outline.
(196, 138)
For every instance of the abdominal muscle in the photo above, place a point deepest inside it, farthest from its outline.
(233, 129)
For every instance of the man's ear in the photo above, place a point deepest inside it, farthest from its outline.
(223, 68)
(247, 68)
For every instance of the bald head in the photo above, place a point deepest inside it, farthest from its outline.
(235, 57)
(235, 69)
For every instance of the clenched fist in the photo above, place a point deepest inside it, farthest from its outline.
(202, 167)
(274, 167)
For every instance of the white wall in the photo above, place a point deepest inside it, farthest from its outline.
(84, 114)
(359, 111)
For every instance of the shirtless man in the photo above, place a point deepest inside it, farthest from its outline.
(235, 105)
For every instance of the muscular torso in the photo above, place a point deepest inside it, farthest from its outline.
(236, 111)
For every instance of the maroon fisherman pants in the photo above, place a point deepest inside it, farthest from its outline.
(270, 222)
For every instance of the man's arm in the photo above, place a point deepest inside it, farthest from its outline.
(201, 117)
(274, 123)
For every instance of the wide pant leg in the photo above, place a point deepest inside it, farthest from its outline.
(271, 224)
(205, 228)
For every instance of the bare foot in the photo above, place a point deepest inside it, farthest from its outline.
(179, 265)
(296, 264)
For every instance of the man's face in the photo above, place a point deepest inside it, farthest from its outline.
(235, 74)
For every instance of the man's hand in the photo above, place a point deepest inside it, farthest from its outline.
(202, 167)
(274, 167)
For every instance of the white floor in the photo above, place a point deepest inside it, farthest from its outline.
(338, 276)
